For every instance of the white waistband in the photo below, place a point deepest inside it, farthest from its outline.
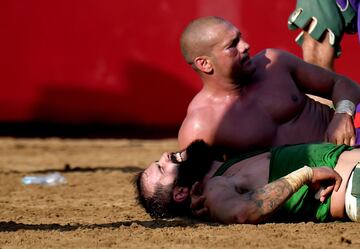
(351, 202)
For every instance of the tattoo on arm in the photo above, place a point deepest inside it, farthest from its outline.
(270, 197)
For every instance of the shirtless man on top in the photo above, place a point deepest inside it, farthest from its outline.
(259, 102)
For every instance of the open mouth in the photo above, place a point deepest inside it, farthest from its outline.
(177, 157)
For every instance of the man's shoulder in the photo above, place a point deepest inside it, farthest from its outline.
(272, 52)
(204, 109)
(196, 117)
(198, 105)
(275, 56)
(198, 124)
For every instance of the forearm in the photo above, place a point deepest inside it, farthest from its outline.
(228, 204)
(345, 88)
(269, 198)
(345, 98)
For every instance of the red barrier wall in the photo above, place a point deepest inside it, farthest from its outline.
(115, 62)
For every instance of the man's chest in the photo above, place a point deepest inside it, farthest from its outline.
(276, 95)
(254, 122)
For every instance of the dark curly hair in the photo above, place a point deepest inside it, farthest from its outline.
(161, 203)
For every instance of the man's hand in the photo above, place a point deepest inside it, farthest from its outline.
(197, 201)
(326, 178)
(341, 130)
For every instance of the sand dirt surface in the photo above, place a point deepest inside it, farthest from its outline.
(96, 207)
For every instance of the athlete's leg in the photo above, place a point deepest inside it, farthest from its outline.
(320, 52)
(352, 196)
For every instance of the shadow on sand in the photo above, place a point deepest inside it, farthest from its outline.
(12, 226)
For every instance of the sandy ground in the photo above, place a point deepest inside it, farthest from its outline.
(96, 208)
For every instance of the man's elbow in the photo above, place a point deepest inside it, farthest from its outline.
(246, 218)
(183, 141)
(187, 136)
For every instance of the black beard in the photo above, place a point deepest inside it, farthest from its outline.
(197, 164)
(243, 81)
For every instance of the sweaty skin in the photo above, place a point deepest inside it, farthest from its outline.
(319, 53)
(243, 195)
(266, 112)
(252, 187)
(260, 102)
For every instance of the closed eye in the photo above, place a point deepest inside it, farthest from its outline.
(160, 168)
(234, 42)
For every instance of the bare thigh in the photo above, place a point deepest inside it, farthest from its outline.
(344, 167)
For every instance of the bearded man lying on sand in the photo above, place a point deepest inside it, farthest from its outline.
(291, 183)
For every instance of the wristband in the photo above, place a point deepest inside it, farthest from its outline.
(345, 106)
(299, 177)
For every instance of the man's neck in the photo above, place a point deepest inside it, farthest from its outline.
(214, 167)
(223, 86)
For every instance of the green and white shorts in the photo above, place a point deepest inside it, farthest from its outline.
(326, 16)
(352, 195)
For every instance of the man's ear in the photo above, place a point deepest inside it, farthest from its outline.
(180, 193)
(203, 64)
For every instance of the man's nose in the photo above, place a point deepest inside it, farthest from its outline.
(244, 46)
(165, 157)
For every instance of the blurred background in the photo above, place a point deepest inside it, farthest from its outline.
(87, 68)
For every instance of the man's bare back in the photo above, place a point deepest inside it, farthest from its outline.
(266, 103)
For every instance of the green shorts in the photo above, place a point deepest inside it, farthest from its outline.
(327, 15)
(302, 206)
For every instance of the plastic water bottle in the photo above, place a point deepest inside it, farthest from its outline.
(51, 179)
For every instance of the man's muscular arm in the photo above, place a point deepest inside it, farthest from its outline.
(197, 125)
(227, 205)
(321, 82)
(318, 81)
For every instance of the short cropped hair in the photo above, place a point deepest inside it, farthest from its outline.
(193, 38)
(161, 203)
